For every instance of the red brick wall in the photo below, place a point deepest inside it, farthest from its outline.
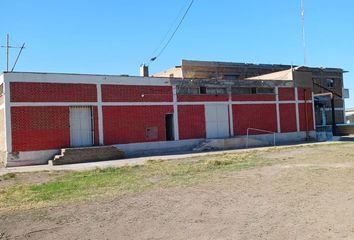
(128, 124)
(287, 117)
(202, 98)
(2, 131)
(254, 116)
(95, 125)
(191, 122)
(52, 92)
(302, 116)
(39, 128)
(302, 92)
(122, 93)
(253, 97)
(286, 94)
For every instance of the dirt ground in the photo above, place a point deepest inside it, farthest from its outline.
(310, 196)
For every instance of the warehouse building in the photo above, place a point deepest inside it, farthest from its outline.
(42, 113)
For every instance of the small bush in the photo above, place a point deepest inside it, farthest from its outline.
(218, 162)
(7, 176)
(154, 161)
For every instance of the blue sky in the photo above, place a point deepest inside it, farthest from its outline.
(116, 36)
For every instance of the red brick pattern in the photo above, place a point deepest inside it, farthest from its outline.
(303, 108)
(287, 117)
(202, 98)
(302, 92)
(129, 93)
(128, 124)
(52, 92)
(95, 126)
(2, 131)
(46, 127)
(39, 128)
(254, 116)
(253, 97)
(286, 94)
(191, 122)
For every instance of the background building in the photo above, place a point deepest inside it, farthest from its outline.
(324, 80)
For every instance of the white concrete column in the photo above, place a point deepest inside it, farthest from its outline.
(297, 110)
(175, 113)
(277, 109)
(343, 99)
(7, 108)
(231, 117)
(313, 111)
(100, 114)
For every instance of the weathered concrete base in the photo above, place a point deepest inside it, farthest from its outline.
(30, 158)
(87, 154)
(154, 148)
(2, 158)
(254, 141)
(169, 147)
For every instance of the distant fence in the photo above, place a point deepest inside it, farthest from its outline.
(259, 130)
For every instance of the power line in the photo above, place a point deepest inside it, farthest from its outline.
(174, 33)
(174, 23)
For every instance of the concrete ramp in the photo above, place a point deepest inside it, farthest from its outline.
(88, 154)
(261, 140)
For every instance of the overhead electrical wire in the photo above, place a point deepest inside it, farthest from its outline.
(173, 24)
(172, 35)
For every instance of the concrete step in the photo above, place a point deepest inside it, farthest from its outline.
(87, 154)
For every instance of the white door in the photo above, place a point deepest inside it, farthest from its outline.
(80, 126)
(217, 121)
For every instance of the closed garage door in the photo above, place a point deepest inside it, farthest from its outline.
(217, 121)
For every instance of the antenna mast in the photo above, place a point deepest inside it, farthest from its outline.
(303, 31)
(7, 51)
(7, 47)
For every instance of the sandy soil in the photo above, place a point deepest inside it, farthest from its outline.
(312, 197)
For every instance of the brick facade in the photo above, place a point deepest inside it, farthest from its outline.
(2, 131)
(254, 116)
(129, 93)
(287, 117)
(52, 92)
(40, 112)
(191, 122)
(254, 97)
(286, 94)
(305, 117)
(129, 124)
(39, 128)
(202, 98)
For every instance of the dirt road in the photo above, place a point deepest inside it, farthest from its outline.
(311, 196)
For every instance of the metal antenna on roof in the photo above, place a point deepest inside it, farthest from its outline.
(303, 31)
(8, 46)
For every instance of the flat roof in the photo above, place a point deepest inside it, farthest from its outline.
(264, 66)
